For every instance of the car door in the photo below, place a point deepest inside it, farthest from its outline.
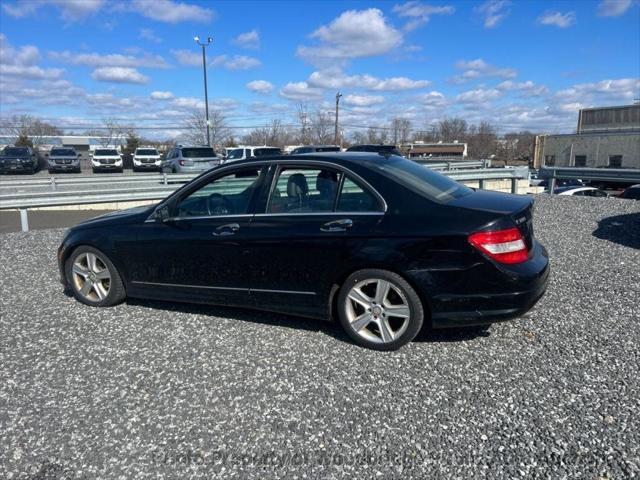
(197, 253)
(306, 235)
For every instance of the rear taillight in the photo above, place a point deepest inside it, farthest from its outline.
(504, 246)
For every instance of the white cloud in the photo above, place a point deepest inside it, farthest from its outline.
(188, 103)
(363, 100)
(479, 95)
(109, 60)
(170, 11)
(109, 100)
(420, 13)
(248, 40)
(160, 95)
(557, 19)
(300, 91)
(119, 75)
(613, 8)
(335, 78)
(478, 68)
(70, 10)
(622, 90)
(494, 11)
(148, 34)
(260, 86)
(432, 99)
(527, 88)
(30, 71)
(354, 34)
(25, 55)
(236, 62)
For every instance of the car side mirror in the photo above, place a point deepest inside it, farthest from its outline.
(162, 213)
(79, 155)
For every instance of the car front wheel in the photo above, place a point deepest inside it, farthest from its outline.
(379, 310)
(94, 280)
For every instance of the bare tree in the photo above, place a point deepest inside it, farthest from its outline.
(194, 128)
(29, 129)
(322, 128)
(451, 129)
(400, 130)
(482, 140)
(113, 133)
(303, 116)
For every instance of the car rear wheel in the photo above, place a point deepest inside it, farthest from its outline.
(379, 310)
(94, 280)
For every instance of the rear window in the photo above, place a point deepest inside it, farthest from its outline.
(16, 151)
(420, 179)
(146, 151)
(104, 152)
(59, 152)
(200, 152)
(266, 152)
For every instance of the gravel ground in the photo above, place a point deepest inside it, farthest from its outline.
(152, 390)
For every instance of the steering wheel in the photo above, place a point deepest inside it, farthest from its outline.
(218, 205)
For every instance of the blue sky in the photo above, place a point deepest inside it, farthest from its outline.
(517, 64)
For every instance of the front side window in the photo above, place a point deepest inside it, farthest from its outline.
(227, 195)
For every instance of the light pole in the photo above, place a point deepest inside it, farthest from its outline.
(335, 137)
(206, 96)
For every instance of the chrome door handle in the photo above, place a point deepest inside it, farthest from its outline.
(225, 230)
(341, 225)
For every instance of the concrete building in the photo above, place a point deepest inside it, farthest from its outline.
(606, 137)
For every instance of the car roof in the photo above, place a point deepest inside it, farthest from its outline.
(345, 159)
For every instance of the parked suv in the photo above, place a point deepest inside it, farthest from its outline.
(146, 159)
(182, 159)
(106, 159)
(18, 159)
(314, 149)
(63, 160)
(241, 153)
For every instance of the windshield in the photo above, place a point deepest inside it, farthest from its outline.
(200, 152)
(103, 152)
(62, 152)
(16, 151)
(146, 151)
(422, 180)
(266, 152)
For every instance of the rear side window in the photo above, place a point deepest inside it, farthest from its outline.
(354, 198)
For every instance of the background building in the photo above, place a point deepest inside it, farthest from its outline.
(606, 137)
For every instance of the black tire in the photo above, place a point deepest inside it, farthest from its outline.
(416, 317)
(116, 292)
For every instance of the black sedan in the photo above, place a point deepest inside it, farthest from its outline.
(380, 243)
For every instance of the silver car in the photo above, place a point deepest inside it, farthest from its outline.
(63, 160)
(182, 159)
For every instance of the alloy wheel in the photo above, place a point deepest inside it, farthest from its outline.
(91, 277)
(377, 310)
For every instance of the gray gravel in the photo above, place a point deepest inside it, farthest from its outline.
(152, 390)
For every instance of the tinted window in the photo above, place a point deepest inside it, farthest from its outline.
(16, 151)
(235, 154)
(59, 152)
(328, 149)
(266, 152)
(226, 195)
(103, 152)
(420, 179)
(200, 152)
(354, 198)
(303, 190)
(580, 160)
(146, 151)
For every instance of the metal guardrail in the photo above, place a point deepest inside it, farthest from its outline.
(23, 201)
(54, 182)
(577, 173)
(453, 164)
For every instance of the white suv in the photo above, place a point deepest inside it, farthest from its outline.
(241, 153)
(146, 159)
(106, 159)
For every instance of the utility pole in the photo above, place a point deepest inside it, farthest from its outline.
(335, 137)
(206, 96)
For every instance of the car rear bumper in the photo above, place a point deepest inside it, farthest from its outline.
(523, 289)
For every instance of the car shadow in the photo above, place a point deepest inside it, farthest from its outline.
(621, 229)
(332, 329)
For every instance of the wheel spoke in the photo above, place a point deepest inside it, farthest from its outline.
(385, 330)
(103, 275)
(100, 290)
(362, 321)
(400, 311)
(80, 270)
(86, 288)
(359, 297)
(91, 262)
(382, 290)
